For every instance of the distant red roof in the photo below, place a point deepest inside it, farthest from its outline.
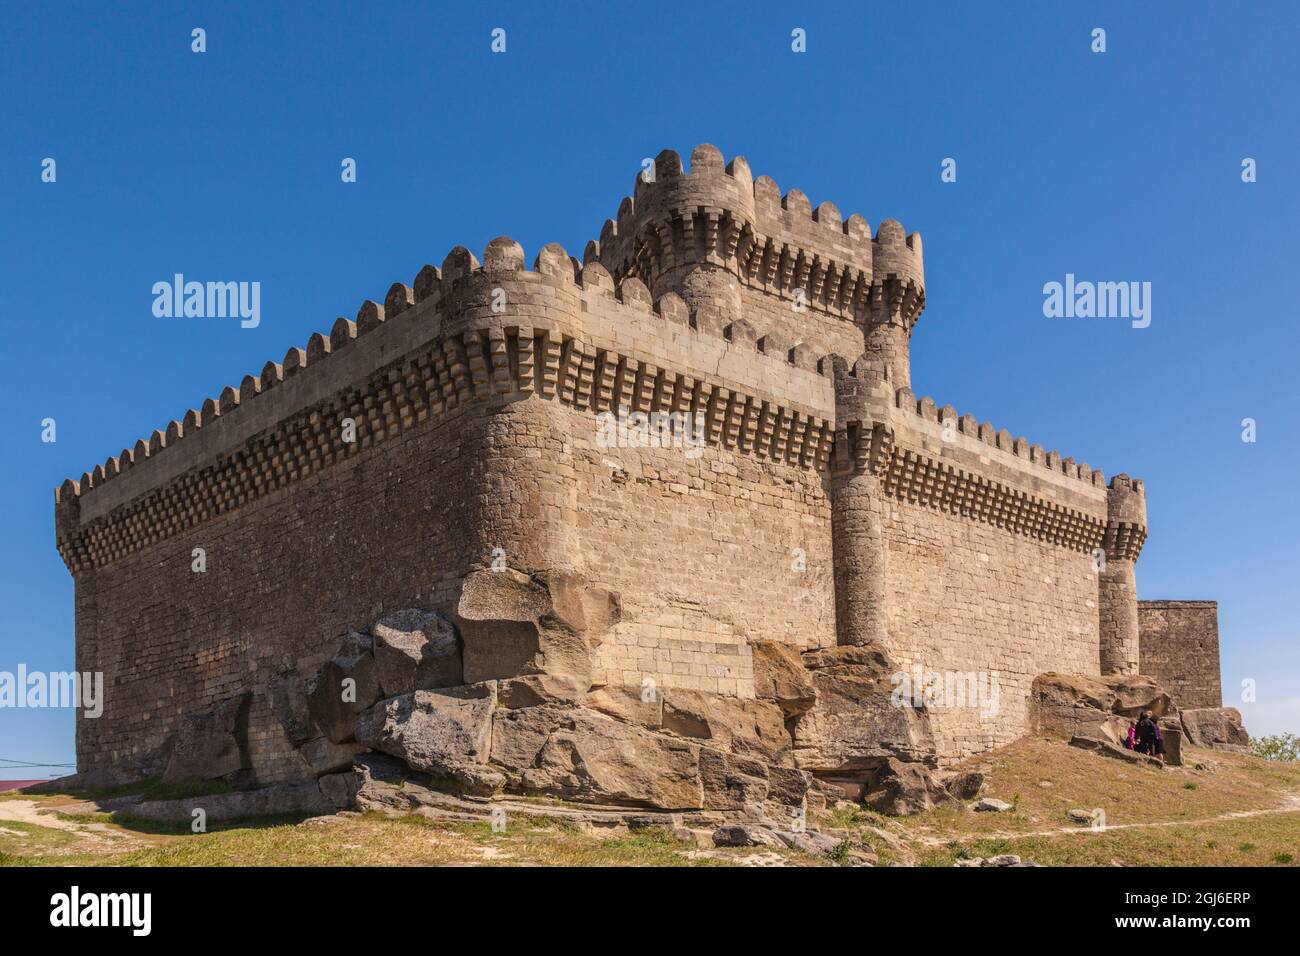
(16, 784)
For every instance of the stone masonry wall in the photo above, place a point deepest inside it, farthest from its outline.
(1179, 647)
(968, 597)
(286, 577)
(708, 552)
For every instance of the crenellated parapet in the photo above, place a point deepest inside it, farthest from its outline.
(931, 455)
(1126, 522)
(467, 334)
(716, 216)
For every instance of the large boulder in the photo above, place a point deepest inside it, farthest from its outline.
(577, 754)
(747, 728)
(1219, 728)
(634, 705)
(1173, 734)
(1069, 705)
(1107, 749)
(325, 756)
(415, 650)
(780, 676)
(346, 685)
(445, 732)
(856, 724)
(899, 788)
(212, 744)
(298, 799)
(530, 627)
(732, 782)
(1136, 694)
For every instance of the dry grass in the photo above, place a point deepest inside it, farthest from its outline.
(1221, 809)
(1170, 816)
(374, 839)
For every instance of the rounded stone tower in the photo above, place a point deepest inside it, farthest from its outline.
(1126, 530)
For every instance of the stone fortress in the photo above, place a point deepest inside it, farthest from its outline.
(417, 510)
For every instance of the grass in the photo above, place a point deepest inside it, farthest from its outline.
(1170, 816)
(1174, 816)
(1216, 843)
(374, 839)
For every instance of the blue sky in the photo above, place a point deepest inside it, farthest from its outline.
(1117, 166)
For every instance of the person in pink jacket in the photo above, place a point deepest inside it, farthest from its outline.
(1131, 739)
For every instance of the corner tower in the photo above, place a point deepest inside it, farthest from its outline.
(1126, 530)
(737, 251)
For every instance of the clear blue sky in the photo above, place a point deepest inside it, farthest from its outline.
(1117, 166)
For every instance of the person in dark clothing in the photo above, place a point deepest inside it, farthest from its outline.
(1146, 734)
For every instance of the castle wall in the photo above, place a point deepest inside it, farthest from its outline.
(707, 554)
(481, 396)
(1179, 647)
(476, 437)
(964, 596)
(286, 577)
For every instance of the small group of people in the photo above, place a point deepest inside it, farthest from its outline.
(1145, 736)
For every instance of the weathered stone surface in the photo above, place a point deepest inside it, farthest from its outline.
(731, 782)
(211, 745)
(536, 689)
(1135, 694)
(808, 841)
(900, 789)
(289, 701)
(1066, 705)
(747, 728)
(346, 685)
(1107, 749)
(1173, 733)
(746, 835)
(516, 626)
(434, 731)
(631, 704)
(580, 755)
(780, 676)
(277, 800)
(340, 789)
(787, 785)
(415, 650)
(855, 725)
(325, 756)
(1219, 728)
(992, 805)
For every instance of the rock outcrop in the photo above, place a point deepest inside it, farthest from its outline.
(500, 699)
(445, 732)
(781, 677)
(211, 746)
(344, 688)
(416, 650)
(857, 727)
(1218, 728)
(1070, 705)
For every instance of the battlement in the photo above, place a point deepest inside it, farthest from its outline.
(999, 438)
(720, 216)
(495, 331)
(564, 331)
